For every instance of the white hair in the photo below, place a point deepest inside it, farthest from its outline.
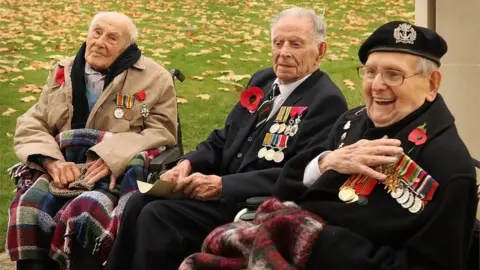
(131, 28)
(426, 66)
(319, 27)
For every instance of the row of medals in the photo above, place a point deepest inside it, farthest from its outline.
(279, 128)
(119, 113)
(398, 189)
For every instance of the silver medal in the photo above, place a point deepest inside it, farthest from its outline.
(118, 113)
(274, 128)
(269, 155)
(417, 206)
(404, 198)
(409, 203)
(397, 192)
(278, 157)
(262, 152)
(347, 126)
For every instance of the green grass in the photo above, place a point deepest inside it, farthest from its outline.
(36, 30)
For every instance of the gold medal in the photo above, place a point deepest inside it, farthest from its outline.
(355, 199)
(274, 128)
(417, 206)
(278, 156)
(282, 128)
(346, 194)
(262, 152)
(118, 113)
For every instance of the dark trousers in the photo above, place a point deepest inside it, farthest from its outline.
(159, 234)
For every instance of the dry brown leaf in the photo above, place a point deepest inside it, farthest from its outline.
(208, 72)
(226, 56)
(232, 77)
(332, 57)
(28, 99)
(198, 78)
(18, 78)
(8, 112)
(9, 134)
(181, 100)
(203, 96)
(30, 88)
(178, 45)
(349, 84)
(9, 49)
(249, 59)
(225, 89)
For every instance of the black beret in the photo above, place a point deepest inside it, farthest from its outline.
(403, 37)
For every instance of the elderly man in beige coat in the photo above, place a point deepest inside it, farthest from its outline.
(126, 100)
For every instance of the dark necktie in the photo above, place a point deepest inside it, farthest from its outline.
(266, 107)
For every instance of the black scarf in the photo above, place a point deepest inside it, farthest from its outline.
(79, 96)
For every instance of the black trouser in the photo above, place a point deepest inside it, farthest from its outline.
(159, 234)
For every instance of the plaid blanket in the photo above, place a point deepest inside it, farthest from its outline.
(41, 224)
(279, 230)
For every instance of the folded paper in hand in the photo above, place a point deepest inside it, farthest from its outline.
(160, 188)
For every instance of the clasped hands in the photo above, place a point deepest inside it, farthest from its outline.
(362, 157)
(63, 173)
(196, 186)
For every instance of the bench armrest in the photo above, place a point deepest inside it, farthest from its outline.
(165, 158)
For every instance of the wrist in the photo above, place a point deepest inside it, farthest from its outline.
(324, 163)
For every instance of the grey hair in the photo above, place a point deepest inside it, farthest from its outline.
(319, 28)
(426, 66)
(131, 28)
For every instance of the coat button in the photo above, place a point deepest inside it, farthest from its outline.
(239, 155)
(249, 139)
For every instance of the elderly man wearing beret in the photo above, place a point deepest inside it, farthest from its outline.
(98, 111)
(393, 188)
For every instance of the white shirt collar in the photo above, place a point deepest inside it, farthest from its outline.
(90, 71)
(287, 89)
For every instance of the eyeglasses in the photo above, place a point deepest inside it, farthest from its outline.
(390, 77)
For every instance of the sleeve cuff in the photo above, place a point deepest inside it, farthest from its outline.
(312, 171)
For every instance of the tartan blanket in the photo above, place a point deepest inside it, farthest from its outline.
(41, 224)
(281, 237)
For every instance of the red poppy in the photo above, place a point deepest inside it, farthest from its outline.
(250, 98)
(419, 135)
(141, 96)
(60, 76)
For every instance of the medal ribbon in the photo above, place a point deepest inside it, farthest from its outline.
(119, 100)
(267, 139)
(129, 101)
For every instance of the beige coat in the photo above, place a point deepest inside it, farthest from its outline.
(53, 113)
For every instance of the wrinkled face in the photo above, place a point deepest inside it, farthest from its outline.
(107, 39)
(294, 52)
(387, 105)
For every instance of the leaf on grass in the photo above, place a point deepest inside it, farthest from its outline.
(28, 99)
(9, 134)
(203, 96)
(8, 112)
(226, 56)
(198, 78)
(18, 78)
(232, 77)
(225, 89)
(349, 84)
(332, 57)
(55, 57)
(181, 100)
(30, 88)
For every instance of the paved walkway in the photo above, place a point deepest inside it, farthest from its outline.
(5, 263)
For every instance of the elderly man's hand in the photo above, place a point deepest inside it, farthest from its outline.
(201, 187)
(98, 169)
(362, 156)
(62, 172)
(178, 172)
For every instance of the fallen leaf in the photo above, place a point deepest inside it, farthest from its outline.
(8, 112)
(226, 56)
(30, 88)
(208, 72)
(224, 89)
(203, 96)
(198, 78)
(9, 134)
(332, 57)
(349, 84)
(232, 77)
(181, 100)
(249, 59)
(178, 45)
(55, 57)
(28, 99)
(17, 78)
(6, 49)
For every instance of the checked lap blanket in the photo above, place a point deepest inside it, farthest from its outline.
(281, 237)
(41, 224)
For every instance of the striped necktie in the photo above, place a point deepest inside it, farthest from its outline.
(266, 107)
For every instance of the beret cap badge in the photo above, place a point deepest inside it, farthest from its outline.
(405, 34)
